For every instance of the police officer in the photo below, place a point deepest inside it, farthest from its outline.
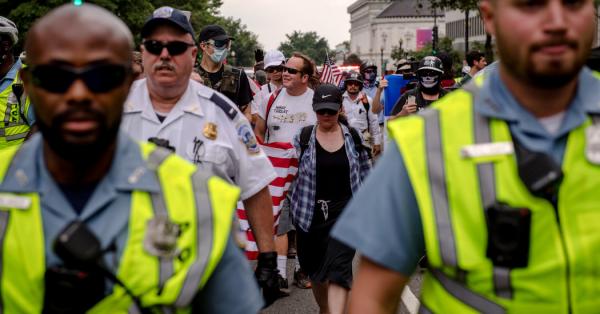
(92, 220)
(357, 107)
(15, 116)
(201, 125)
(497, 183)
(215, 44)
(428, 90)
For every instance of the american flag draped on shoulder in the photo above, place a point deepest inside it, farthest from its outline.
(283, 157)
(331, 73)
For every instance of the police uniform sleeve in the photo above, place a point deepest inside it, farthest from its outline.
(382, 221)
(231, 288)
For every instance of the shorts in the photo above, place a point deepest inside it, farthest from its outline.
(285, 218)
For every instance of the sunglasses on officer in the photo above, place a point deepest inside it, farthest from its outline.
(174, 48)
(272, 69)
(291, 71)
(99, 78)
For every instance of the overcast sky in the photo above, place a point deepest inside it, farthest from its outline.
(271, 20)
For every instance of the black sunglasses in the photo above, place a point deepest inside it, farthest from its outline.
(291, 70)
(272, 69)
(100, 78)
(174, 48)
(329, 112)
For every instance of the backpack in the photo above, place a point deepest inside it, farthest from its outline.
(307, 131)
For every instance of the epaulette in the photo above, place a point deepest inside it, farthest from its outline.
(222, 103)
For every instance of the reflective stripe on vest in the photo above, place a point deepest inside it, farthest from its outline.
(13, 130)
(201, 243)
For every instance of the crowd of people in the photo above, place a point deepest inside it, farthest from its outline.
(121, 170)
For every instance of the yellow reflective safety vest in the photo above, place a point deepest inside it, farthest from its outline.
(453, 190)
(13, 128)
(190, 197)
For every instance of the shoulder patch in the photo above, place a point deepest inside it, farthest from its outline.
(229, 109)
(247, 137)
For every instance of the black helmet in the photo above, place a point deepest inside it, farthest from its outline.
(354, 76)
(431, 63)
(367, 65)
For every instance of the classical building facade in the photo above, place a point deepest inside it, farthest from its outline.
(379, 25)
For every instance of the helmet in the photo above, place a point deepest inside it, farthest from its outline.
(431, 63)
(7, 27)
(367, 65)
(354, 76)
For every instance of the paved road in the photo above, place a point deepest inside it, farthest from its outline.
(301, 301)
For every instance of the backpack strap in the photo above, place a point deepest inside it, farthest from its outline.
(358, 143)
(304, 139)
(270, 103)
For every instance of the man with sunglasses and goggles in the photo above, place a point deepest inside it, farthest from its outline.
(92, 220)
(214, 44)
(201, 125)
(16, 118)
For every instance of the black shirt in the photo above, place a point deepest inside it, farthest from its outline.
(244, 93)
(421, 102)
(78, 195)
(333, 175)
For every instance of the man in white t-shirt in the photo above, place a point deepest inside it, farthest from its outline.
(282, 118)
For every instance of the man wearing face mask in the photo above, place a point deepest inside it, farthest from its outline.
(230, 81)
(428, 89)
(15, 116)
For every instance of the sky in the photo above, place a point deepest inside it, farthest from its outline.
(271, 20)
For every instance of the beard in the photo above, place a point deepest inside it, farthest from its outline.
(79, 151)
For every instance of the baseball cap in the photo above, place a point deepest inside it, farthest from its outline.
(327, 96)
(167, 15)
(274, 58)
(215, 32)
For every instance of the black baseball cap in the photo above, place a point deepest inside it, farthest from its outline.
(214, 32)
(327, 96)
(167, 15)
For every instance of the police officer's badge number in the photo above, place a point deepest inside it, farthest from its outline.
(247, 137)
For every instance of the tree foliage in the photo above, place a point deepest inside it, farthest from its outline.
(135, 12)
(309, 43)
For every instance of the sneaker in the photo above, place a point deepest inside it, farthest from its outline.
(301, 280)
(283, 286)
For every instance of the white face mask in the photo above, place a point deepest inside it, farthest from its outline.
(429, 81)
(219, 55)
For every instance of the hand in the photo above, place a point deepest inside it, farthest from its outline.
(363, 98)
(408, 109)
(383, 84)
(376, 150)
(267, 276)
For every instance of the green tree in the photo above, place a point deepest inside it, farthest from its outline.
(398, 51)
(353, 59)
(309, 43)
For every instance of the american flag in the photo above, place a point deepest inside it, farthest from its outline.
(331, 73)
(283, 157)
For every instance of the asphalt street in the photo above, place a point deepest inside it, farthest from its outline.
(301, 301)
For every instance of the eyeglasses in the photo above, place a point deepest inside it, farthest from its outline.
(99, 78)
(272, 69)
(219, 44)
(174, 48)
(291, 70)
(329, 112)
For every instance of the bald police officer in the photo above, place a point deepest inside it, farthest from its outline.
(93, 221)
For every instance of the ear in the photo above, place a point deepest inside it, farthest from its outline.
(305, 78)
(194, 52)
(486, 11)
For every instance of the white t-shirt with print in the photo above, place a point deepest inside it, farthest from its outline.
(288, 114)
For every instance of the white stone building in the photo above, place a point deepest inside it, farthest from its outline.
(379, 25)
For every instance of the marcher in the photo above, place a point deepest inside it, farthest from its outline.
(333, 163)
(497, 182)
(285, 112)
(89, 220)
(476, 61)
(428, 90)
(16, 118)
(214, 44)
(357, 108)
(201, 125)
